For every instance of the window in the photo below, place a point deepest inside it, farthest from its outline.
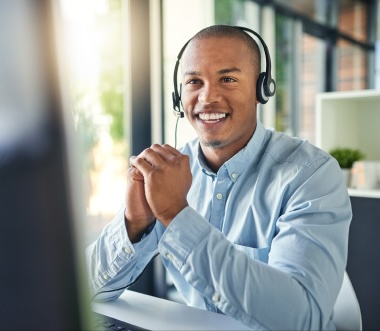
(319, 46)
(352, 69)
(93, 33)
(311, 83)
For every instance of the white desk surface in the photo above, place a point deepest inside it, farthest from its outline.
(375, 193)
(159, 314)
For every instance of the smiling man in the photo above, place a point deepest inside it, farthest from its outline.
(249, 222)
(219, 93)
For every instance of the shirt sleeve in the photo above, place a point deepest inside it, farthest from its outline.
(298, 287)
(114, 263)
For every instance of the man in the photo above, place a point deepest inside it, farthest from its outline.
(249, 222)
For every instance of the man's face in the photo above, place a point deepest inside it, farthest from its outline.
(219, 92)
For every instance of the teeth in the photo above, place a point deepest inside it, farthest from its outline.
(213, 116)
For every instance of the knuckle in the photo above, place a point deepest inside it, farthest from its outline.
(132, 160)
(184, 158)
(139, 160)
(146, 152)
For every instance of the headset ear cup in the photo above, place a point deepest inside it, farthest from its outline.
(260, 93)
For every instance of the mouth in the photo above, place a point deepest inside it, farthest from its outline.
(211, 117)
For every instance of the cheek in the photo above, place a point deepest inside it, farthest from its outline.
(187, 103)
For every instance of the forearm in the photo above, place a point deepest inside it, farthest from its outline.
(113, 262)
(257, 294)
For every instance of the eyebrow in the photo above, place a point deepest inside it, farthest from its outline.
(228, 70)
(220, 72)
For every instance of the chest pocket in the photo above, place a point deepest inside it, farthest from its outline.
(260, 254)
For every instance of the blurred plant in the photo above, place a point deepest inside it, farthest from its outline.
(346, 156)
(111, 98)
(226, 11)
(111, 86)
(88, 132)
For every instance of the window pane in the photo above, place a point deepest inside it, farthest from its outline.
(284, 55)
(310, 84)
(353, 18)
(352, 70)
(305, 7)
(316, 10)
(93, 31)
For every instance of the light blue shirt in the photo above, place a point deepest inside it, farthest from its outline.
(264, 240)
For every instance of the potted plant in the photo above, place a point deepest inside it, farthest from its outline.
(346, 158)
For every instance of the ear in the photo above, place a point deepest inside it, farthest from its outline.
(260, 93)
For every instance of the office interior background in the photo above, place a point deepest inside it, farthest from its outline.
(120, 58)
(121, 54)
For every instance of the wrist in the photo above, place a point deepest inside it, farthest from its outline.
(137, 230)
(168, 217)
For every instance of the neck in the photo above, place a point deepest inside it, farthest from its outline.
(215, 157)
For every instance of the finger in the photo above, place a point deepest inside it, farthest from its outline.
(171, 149)
(135, 173)
(131, 159)
(154, 156)
(142, 165)
(165, 151)
(150, 156)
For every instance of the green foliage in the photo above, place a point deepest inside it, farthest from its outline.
(346, 156)
(283, 75)
(223, 12)
(88, 133)
(111, 76)
(228, 11)
(111, 98)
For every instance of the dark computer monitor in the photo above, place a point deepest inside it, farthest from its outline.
(39, 288)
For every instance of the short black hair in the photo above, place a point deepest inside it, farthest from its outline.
(234, 32)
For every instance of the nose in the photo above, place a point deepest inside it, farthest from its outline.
(209, 94)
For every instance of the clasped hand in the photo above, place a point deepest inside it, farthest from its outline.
(158, 182)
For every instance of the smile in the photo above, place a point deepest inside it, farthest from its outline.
(212, 117)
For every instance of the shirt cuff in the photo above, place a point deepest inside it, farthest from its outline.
(118, 237)
(185, 231)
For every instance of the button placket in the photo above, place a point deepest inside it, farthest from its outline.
(219, 200)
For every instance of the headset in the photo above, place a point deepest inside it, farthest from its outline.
(265, 86)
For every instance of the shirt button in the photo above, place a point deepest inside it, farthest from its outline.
(219, 196)
(234, 175)
(169, 257)
(105, 276)
(215, 297)
(127, 250)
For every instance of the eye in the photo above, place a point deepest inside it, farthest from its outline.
(228, 80)
(194, 81)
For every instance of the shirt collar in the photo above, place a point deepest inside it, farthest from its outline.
(242, 159)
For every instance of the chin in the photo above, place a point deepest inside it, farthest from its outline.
(216, 144)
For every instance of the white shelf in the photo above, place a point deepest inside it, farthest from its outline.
(349, 119)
